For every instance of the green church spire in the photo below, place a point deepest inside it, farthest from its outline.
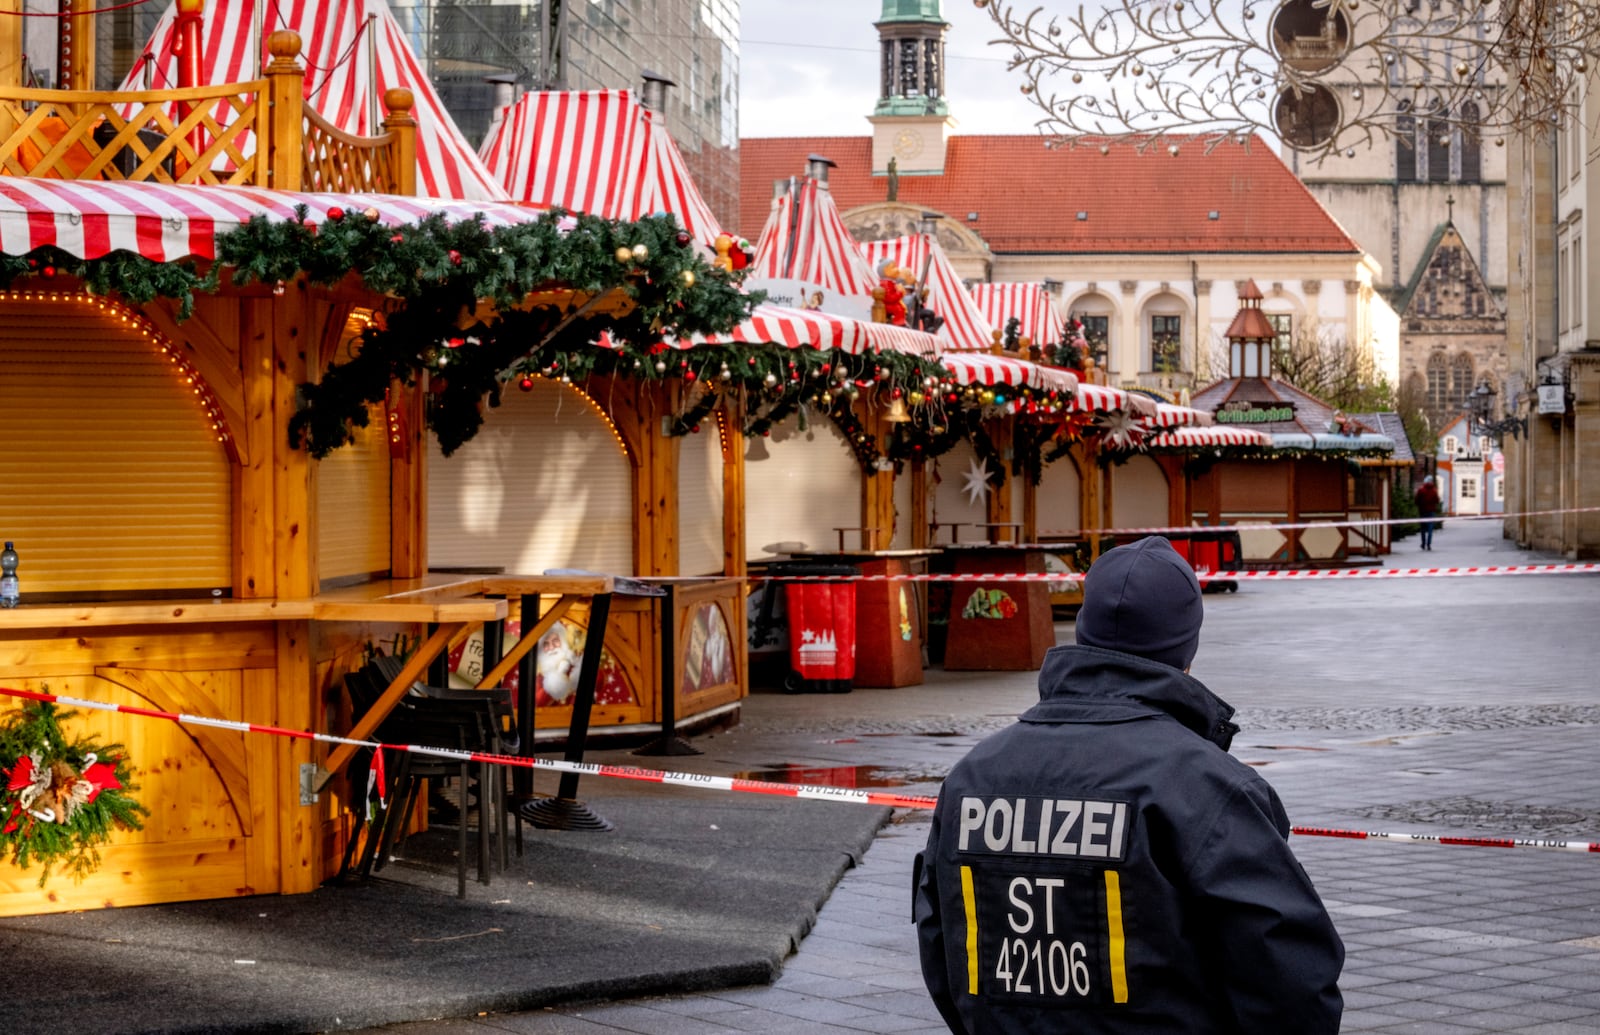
(911, 11)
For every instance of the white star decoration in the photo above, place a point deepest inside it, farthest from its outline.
(976, 481)
(1122, 430)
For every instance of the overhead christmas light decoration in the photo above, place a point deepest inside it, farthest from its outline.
(1324, 76)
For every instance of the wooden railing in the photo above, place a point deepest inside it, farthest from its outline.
(258, 133)
(340, 161)
(96, 135)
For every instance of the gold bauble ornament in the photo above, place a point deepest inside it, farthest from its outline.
(624, 254)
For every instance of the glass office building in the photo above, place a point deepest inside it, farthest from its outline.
(469, 46)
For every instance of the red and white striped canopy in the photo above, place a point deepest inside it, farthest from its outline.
(965, 326)
(339, 55)
(1217, 435)
(1170, 416)
(805, 239)
(1103, 398)
(91, 218)
(1031, 304)
(595, 151)
(977, 368)
(806, 328)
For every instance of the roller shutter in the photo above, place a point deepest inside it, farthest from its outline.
(544, 484)
(1138, 494)
(800, 486)
(353, 505)
(114, 481)
(700, 502)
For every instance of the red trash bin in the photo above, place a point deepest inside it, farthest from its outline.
(822, 629)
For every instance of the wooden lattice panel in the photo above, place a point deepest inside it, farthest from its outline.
(216, 137)
(343, 163)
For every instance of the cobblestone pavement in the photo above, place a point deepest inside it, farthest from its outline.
(1437, 706)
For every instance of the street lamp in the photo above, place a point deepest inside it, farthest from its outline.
(1481, 400)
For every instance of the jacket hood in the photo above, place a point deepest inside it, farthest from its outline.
(1093, 684)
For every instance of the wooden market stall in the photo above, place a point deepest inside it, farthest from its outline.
(219, 507)
(1306, 473)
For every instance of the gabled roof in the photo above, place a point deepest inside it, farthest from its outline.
(1390, 423)
(1447, 261)
(601, 152)
(1021, 197)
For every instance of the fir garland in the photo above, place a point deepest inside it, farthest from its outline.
(865, 446)
(689, 420)
(62, 799)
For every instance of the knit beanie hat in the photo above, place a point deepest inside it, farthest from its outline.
(1143, 599)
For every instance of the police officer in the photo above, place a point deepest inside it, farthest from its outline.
(1104, 865)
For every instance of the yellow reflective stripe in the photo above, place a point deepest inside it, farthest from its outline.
(971, 902)
(1119, 972)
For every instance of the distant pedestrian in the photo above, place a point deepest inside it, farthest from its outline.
(1427, 508)
(1103, 865)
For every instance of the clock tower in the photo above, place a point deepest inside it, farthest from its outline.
(912, 120)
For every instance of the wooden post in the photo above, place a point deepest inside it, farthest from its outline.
(284, 146)
(408, 481)
(403, 145)
(255, 512)
(1090, 498)
(731, 415)
(77, 57)
(11, 24)
(998, 505)
(877, 487)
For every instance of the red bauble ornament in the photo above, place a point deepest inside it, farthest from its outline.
(455, 257)
(336, 213)
(752, 361)
(695, 429)
(688, 375)
(684, 239)
(49, 271)
(526, 384)
(396, 239)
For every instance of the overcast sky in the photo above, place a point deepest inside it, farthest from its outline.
(810, 68)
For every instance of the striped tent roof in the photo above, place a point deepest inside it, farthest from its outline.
(1217, 435)
(601, 152)
(339, 78)
(1110, 400)
(165, 222)
(807, 328)
(1033, 306)
(1169, 416)
(805, 239)
(977, 368)
(965, 326)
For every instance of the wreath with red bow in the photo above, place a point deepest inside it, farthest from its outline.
(61, 799)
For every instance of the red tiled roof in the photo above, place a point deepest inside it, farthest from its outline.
(1027, 197)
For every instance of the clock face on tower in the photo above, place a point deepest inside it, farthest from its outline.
(907, 144)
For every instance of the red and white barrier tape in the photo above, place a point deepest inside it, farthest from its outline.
(1446, 839)
(1079, 533)
(1265, 575)
(727, 783)
(786, 790)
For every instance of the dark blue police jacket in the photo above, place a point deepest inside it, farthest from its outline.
(1105, 866)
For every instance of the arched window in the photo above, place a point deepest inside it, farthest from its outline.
(1461, 381)
(1438, 151)
(1405, 149)
(1471, 144)
(1438, 385)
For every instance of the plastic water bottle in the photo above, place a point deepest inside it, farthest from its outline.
(8, 576)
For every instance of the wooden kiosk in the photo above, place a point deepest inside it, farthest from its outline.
(180, 552)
